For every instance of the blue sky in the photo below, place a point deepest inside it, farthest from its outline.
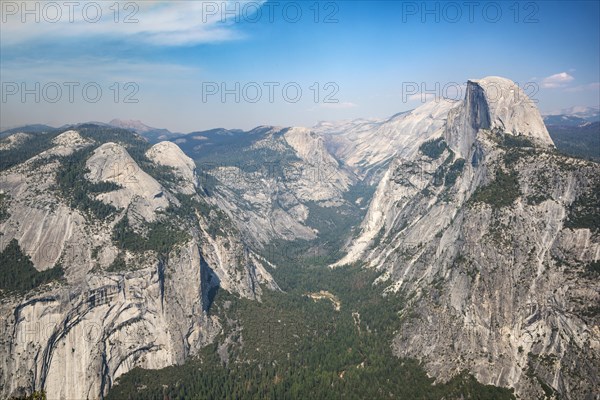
(367, 56)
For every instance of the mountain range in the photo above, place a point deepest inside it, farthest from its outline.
(450, 251)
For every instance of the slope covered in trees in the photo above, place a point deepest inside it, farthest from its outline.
(291, 346)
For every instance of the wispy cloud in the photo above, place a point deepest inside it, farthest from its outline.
(584, 88)
(160, 23)
(96, 69)
(559, 80)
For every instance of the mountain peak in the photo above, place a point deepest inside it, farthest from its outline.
(510, 109)
(497, 104)
(135, 125)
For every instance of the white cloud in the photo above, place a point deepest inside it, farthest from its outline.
(162, 23)
(559, 80)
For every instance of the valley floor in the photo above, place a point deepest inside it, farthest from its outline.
(292, 346)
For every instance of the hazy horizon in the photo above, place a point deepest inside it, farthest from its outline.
(4, 128)
(188, 66)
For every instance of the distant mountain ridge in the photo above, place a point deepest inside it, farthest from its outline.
(151, 134)
(573, 116)
(576, 131)
(33, 128)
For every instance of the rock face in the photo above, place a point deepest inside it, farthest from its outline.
(327, 180)
(268, 185)
(170, 155)
(14, 140)
(487, 237)
(41, 222)
(74, 338)
(399, 139)
(111, 163)
(496, 104)
(74, 341)
(366, 145)
(510, 110)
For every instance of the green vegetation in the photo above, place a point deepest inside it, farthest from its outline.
(547, 389)
(73, 186)
(219, 223)
(433, 148)
(361, 190)
(4, 214)
(220, 147)
(577, 141)
(160, 236)
(536, 199)
(540, 187)
(511, 141)
(330, 222)
(584, 212)
(591, 311)
(291, 346)
(37, 395)
(503, 191)
(532, 360)
(17, 273)
(38, 143)
(118, 264)
(454, 172)
(516, 147)
(95, 252)
(593, 267)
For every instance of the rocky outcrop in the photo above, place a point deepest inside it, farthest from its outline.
(170, 155)
(111, 163)
(484, 248)
(322, 178)
(74, 341)
(491, 294)
(13, 140)
(43, 224)
(366, 146)
(270, 198)
(495, 104)
(74, 338)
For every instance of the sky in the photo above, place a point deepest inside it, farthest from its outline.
(196, 65)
